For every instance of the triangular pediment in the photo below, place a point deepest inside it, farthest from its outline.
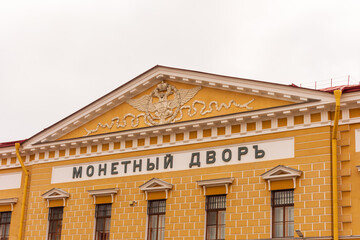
(184, 102)
(281, 172)
(164, 96)
(155, 185)
(55, 193)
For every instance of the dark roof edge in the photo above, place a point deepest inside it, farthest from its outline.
(10, 144)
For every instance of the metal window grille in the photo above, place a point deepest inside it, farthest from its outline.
(156, 219)
(56, 213)
(5, 218)
(103, 210)
(157, 207)
(216, 202)
(215, 217)
(283, 213)
(281, 198)
(103, 218)
(55, 223)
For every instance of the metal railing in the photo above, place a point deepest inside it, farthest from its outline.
(332, 82)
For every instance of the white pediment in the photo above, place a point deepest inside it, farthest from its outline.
(155, 185)
(302, 98)
(281, 172)
(55, 194)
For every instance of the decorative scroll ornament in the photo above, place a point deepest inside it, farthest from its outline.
(163, 105)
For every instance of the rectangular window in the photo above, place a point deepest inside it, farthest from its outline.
(55, 223)
(283, 213)
(103, 221)
(215, 217)
(5, 218)
(156, 222)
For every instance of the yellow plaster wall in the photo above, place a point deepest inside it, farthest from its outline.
(56, 203)
(349, 196)
(103, 199)
(283, 184)
(215, 190)
(248, 202)
(205, 94)
(156, 195)
(13, 193)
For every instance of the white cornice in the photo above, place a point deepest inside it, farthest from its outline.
(8, 201)
(103, 192)
(122, 136)
(215, 183)
(68, 145)
(219, 80)
(261, 113)
(245, 116)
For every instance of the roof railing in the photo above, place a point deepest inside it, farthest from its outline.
(328, 83)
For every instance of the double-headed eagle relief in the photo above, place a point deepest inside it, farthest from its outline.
(164, 103)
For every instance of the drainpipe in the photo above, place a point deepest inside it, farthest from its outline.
(25, 187)
(337, 94)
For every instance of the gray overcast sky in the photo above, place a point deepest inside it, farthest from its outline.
(57, 56)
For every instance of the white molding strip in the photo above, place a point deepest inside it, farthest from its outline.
(8, 201)
(185, 141)
(216, 183)
(103, 192)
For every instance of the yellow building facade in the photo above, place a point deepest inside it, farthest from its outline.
(179, 154)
